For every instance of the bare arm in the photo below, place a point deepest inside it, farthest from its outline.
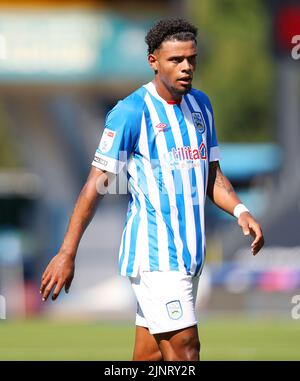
(60, 270)
(221, 192)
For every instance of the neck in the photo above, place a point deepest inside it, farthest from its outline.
(166, 93)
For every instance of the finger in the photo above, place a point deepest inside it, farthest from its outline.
(57, 290)
(255, 247)
(68, 285)
(45, 274)
(255, 250)
(245, 229)
(48, 289)
(258, 246)
(257, 238)
(44, 283)
(256, 234)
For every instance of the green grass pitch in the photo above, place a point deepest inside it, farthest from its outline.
(222, 338)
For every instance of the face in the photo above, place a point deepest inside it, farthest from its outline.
(174, 62)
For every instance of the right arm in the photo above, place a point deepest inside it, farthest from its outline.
(119, 135)
(60, 270)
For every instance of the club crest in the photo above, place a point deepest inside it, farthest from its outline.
(174, 309)
(198, 121)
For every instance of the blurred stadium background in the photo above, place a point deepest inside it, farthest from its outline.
(63, 65)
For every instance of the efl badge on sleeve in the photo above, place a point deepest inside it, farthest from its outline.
(198, 121)
(107, 140)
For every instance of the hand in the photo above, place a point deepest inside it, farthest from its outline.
(250, 226)
(59, 273)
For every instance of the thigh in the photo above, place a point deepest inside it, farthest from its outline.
(181, 345)
(146, 347)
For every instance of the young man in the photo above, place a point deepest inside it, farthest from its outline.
(164, 132)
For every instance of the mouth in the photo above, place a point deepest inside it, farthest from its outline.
(185, 80)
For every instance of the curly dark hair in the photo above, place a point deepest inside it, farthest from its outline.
(170, 29)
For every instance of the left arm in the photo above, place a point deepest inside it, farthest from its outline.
(222, 194)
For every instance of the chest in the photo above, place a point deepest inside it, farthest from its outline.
(177, 135)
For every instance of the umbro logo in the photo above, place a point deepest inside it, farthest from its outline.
(161, 126)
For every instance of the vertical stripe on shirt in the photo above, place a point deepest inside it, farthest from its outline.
(189, 229)
(172, 218)
(196, 139)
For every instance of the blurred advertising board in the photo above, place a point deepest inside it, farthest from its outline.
(72, 46)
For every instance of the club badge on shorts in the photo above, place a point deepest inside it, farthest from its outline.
(198, 121)
(174, 309)
(107, 140)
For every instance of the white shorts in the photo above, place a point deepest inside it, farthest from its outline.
(165, 300)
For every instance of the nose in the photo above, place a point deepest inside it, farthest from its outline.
(187, 66)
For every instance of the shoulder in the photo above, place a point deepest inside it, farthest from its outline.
(201, 97)
(132, 105)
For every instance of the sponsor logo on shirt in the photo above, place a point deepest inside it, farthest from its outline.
(186, 154)
(198, 121)
(107, 140)
(174, 309)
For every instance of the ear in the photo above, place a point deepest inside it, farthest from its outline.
(152, 59)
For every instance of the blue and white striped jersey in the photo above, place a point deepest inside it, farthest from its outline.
(166, 148)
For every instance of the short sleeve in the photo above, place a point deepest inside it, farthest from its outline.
(213, 147)
(118, 138)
